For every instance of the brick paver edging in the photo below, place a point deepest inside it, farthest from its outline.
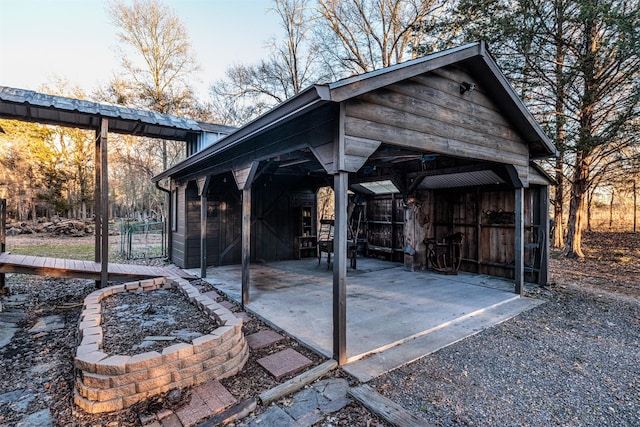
(110, 382)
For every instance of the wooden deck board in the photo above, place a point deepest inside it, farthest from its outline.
(59, 267)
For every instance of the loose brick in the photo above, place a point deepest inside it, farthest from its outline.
(224, 332)
(113, 393)
(91, 339)
(135, 398)
(132, 286)
(112, 365)
(152, 383)
(87, 325)
(96, 318)
(205, 343)
(164, 369)
(87, 348)
(240, 347)
(129, 378)
(214, 362)
(194, 359)
(225, 346)
(210, 374)
(97, 407)
(147, 283)
(144, 361)
(96, 380)
(118, 289)
(159, 281)
(96, 330)
(92, 307)
(87, 361)
(191, 371)
(176, 351)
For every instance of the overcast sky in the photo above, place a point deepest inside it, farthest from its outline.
(74, 39)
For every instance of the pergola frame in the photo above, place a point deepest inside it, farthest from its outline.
(30, 106)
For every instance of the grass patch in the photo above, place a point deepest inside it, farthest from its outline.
(81, 251)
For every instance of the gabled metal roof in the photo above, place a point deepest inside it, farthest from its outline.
(473, 56)
(22, 104)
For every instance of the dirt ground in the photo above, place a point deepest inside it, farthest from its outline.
(611, 265)
(603, 288)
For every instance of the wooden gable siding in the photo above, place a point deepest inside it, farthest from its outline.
(429, 113)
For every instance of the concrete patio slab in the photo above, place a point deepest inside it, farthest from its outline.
(387, 306)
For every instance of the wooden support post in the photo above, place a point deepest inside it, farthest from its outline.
(340, 269)
(97, 197)
(3, 239)
(203, 235)
(104, 188)
(543, 279)
(519, 241)
(203, 188)
(246, 244)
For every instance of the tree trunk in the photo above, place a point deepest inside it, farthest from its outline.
(613, 192)
(558, 209)
(558, 205)
(573, 247)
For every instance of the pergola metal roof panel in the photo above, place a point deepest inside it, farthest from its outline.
(28, 105)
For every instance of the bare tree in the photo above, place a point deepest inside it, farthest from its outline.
(157, 60)
(249, 90)
(362, 35)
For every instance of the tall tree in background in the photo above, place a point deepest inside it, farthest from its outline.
(576, 64)
(157, 61)
(607, 97)
(249, 90)
(324, 40)
(358, 36)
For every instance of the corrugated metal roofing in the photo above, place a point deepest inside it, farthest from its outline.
(22, 104)
(461, 179)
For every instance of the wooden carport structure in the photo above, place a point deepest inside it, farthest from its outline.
(446, 120)
(30, 106)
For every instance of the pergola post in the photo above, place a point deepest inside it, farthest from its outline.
(244, 174)
(519, 241)
(340, 268)
(203, 188)
(246, 244)
(102, 203)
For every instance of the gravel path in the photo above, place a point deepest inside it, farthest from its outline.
(574, 361)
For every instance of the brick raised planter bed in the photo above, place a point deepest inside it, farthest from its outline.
(110, 382)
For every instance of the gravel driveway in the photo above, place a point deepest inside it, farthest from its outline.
(574, 361)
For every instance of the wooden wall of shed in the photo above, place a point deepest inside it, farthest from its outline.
(485, 219)
(429, 113)
(274, 226)
(177, 235)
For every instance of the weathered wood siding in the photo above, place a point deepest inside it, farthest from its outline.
(192, 226)
(485, 219)
(177, 236)
(429, 113)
